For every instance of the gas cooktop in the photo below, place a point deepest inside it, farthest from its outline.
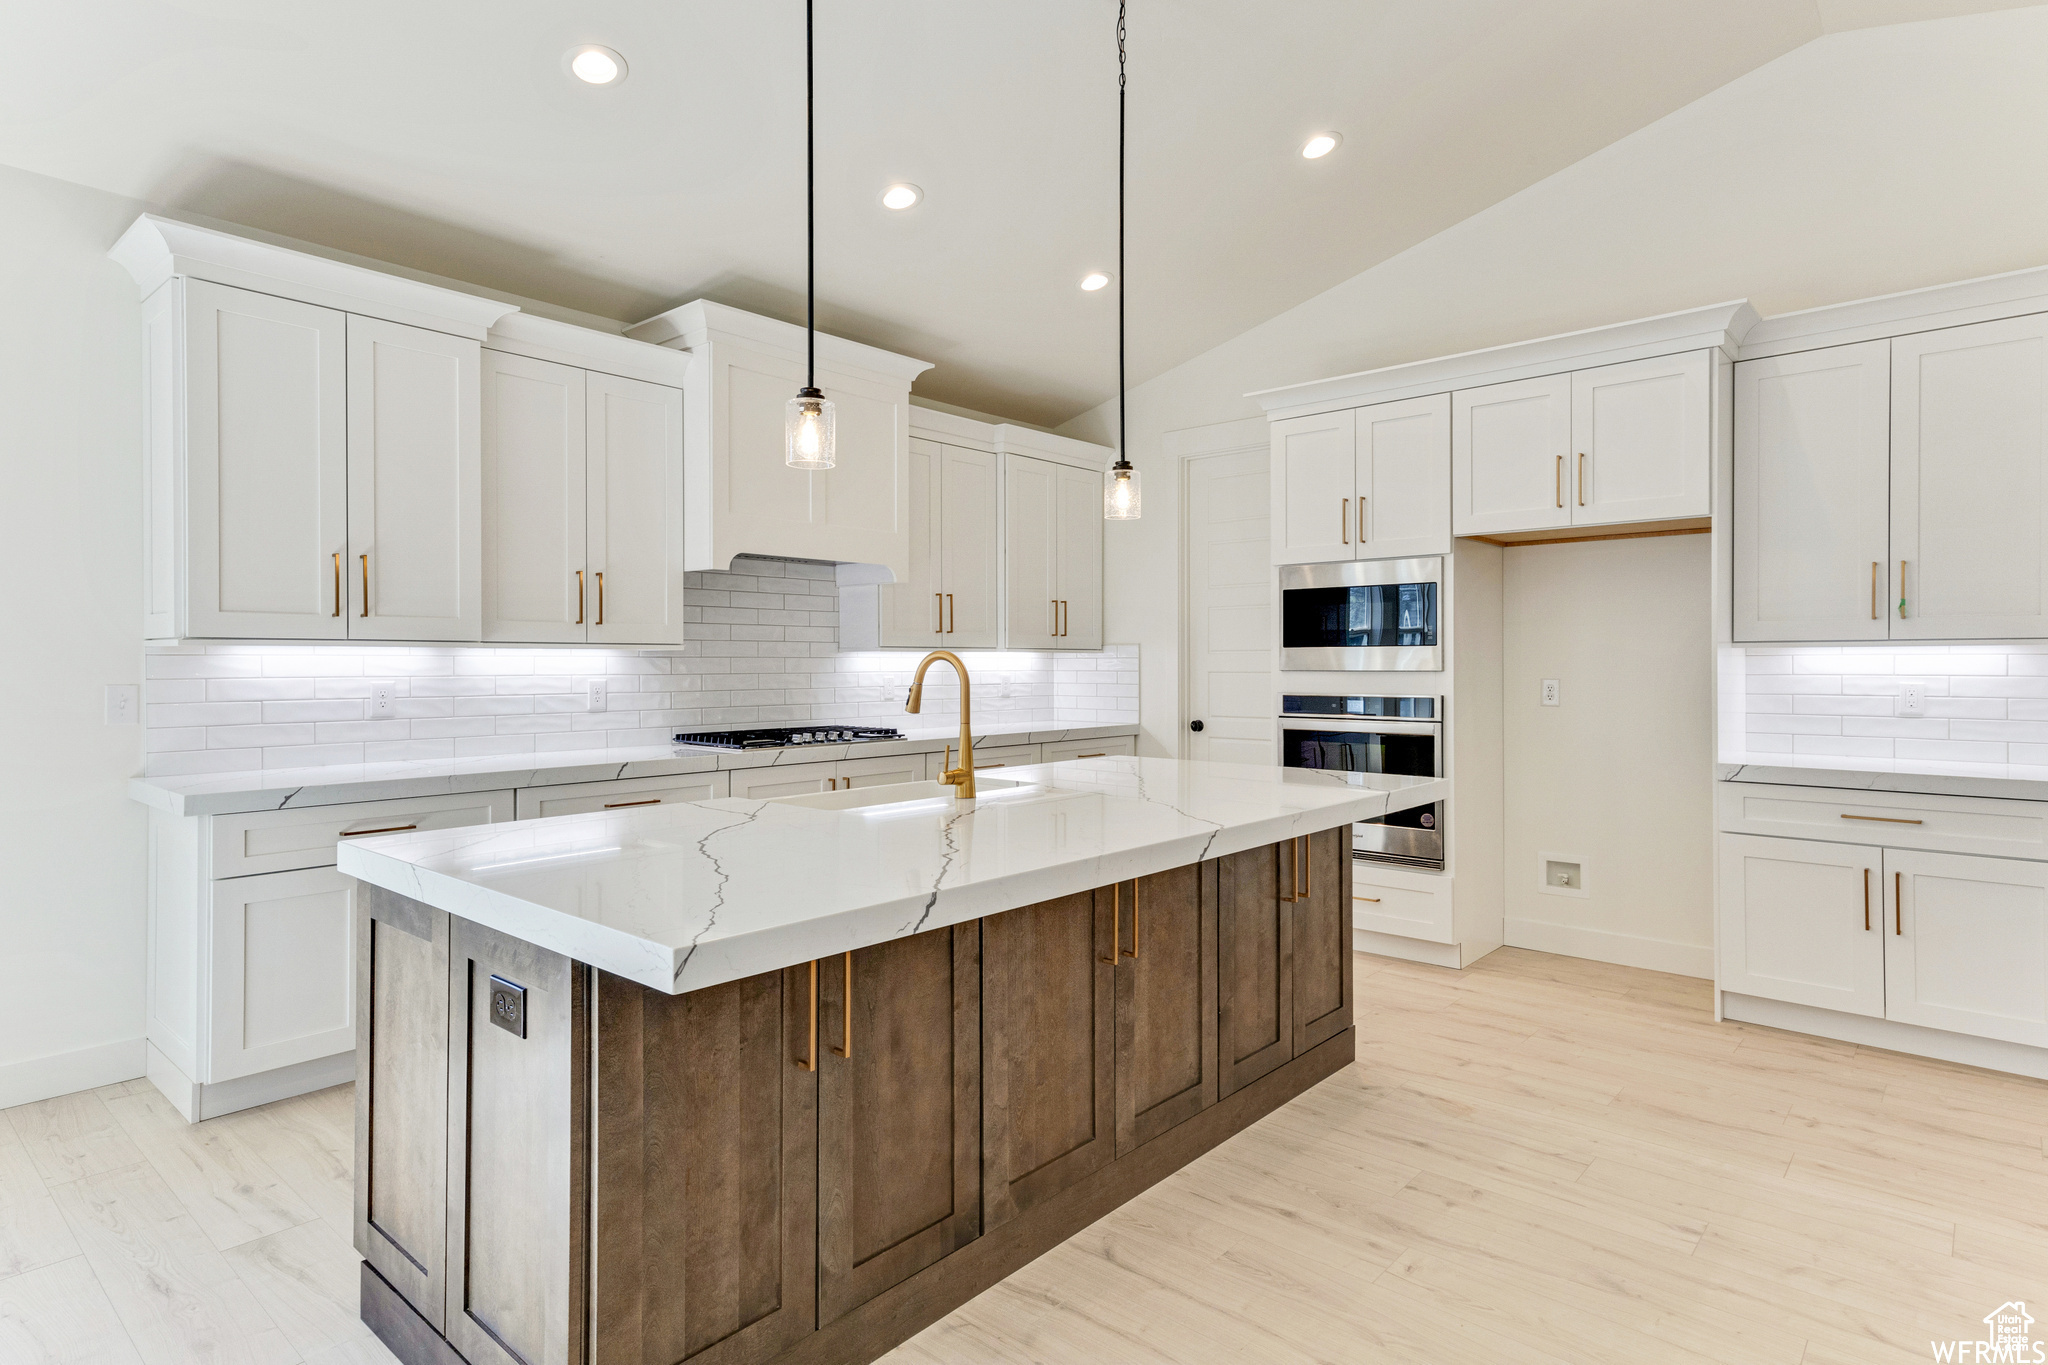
(786, 736)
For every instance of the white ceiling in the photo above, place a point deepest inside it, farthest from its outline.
(444, 136)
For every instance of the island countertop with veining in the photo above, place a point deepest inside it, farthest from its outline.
(687, 895)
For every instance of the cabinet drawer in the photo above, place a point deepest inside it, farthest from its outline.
(575, 798)
(1412, 912)
(1004, 756)
(1942, 824)
(285, 840)
(879, 772)
(783, 779)
(1118, 745)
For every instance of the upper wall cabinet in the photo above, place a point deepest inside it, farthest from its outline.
(1641, 441)
(1367, 483)
(1511, 445)
(1052, 555)
(740, 496)
(951, 597)
(1810, 494)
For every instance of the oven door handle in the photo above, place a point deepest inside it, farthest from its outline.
(1353, 725)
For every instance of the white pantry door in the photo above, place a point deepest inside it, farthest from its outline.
(415, 484)
(1314, 476)
(1812, 450)
(1230, 609)
(268, 484)
(969, 570)
(634, 526)
(535, 586)
(1970, 481)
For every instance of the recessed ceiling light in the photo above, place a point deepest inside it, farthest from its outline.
(1094, 280)
(1322, 144)
(901, 196)
(596, 65)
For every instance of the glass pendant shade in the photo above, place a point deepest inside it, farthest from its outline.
(810, 439)
(1123, 494)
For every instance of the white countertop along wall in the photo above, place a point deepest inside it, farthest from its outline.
(689, 895)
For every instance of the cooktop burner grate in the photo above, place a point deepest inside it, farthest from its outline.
(786, 736)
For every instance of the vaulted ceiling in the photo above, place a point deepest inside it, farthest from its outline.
(447, 137)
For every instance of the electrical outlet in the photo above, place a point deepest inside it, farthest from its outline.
(1550, 691)
(1913, 699)
(124, 703)
(594, 694)
(382, 698)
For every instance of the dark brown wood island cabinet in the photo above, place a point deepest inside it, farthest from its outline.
(557, 1166)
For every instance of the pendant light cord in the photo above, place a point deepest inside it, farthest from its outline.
(811, 211)
(1123, 449)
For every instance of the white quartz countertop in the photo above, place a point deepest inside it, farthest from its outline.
(1866, 780)
(686, 895)
(295, 788)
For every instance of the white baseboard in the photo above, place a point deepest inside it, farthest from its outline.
(42, 1078)
(1993, 1054)
(1407, 949)
(196, 1101)
(1604, 945)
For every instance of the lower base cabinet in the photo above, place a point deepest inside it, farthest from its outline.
(1941, 940)
(559, 1167)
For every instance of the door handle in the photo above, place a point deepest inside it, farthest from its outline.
(337, 582)
(1873, 590)
(1054, 604)
(1866, 900)
(366, 585)
(621, 805)
(1898, 904)
(1902, 590)
(579, 597)
(1582, 478)
(1361, 520)
(939, 609)
(1133, 951)
(600, 597)
(1884, 819)
(1116, 925)
(388, 829)
(1344, 521)
(845, 1048)
(1560, 481)
(810, 1062)
(950, 618)
(1375, 899)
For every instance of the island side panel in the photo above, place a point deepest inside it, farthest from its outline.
(1166, 1003)
(517, 1129)
(1048, 1049)
(1322, 941)
(1255, 963)
(705, 1167)
(401, 1193)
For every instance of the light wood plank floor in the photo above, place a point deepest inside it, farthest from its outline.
(1537, 1160)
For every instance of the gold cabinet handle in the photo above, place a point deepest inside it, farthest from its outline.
(950, 618)
(1116, 924)
(1344, 521)
(1884, 819)
(337, 582)
(1133, 953)
(1361, 520)
(1898, 905)
(1375, 899)
(1053, 603)
(1873, 590)
(845, 1048)
(620, 805)
(1866, 900)
(1308, 868)
(809, 1061)
(1902, 590)
(579, 597)
(1560, 481)
(979, 766)
(366, 585)
(1582, 478)
(939, 612)
(1103, 754)
(1293, 858)
(388, 829)
(600, 597)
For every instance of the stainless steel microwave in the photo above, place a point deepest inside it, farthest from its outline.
(1361, 614)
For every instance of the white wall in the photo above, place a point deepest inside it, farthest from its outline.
(71, 843)
(1616, 774)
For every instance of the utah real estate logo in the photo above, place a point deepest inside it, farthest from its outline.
(2008, 1337)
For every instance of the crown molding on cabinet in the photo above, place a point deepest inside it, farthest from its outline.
(564, 343)
(153, 249)
(1719, 326)
(999, 438)
(693, 324)
(1985, 299)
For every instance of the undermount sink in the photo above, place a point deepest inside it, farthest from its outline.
(895, 794)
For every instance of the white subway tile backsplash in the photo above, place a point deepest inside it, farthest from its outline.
(762, 650)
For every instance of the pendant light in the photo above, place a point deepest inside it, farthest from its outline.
(1123, 495)
(809, 438)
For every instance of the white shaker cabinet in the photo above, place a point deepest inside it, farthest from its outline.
(1803, 921)
(1052, 552)
(1511, 445)
(1315, 462)
(248, 426)
(1969, 481)
(1811, 495)
(634, 511)
(1640, 440)
(1368, 483)
(1966, 944)
(415, 484)
(535, 583)
(950, 597)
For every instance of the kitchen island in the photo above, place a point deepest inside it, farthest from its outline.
(735, 1081)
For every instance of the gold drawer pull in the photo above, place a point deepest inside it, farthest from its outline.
(579, 597)
(1116, 924)
(1898, 904)
(600, 597)
(1375, 899)
(617, 805)
(810, 1063)
(1884, 819)
(845, 1048)
(337, 582)
(979, 766)
(1103, 754)
(1866, 900)
(388, 829)
(366, 585)
(1344, 520)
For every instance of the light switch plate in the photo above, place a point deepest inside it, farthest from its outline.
(1550, 691)
(1913, 699)
(508, 1006)
(124, 703)
(595, 694)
